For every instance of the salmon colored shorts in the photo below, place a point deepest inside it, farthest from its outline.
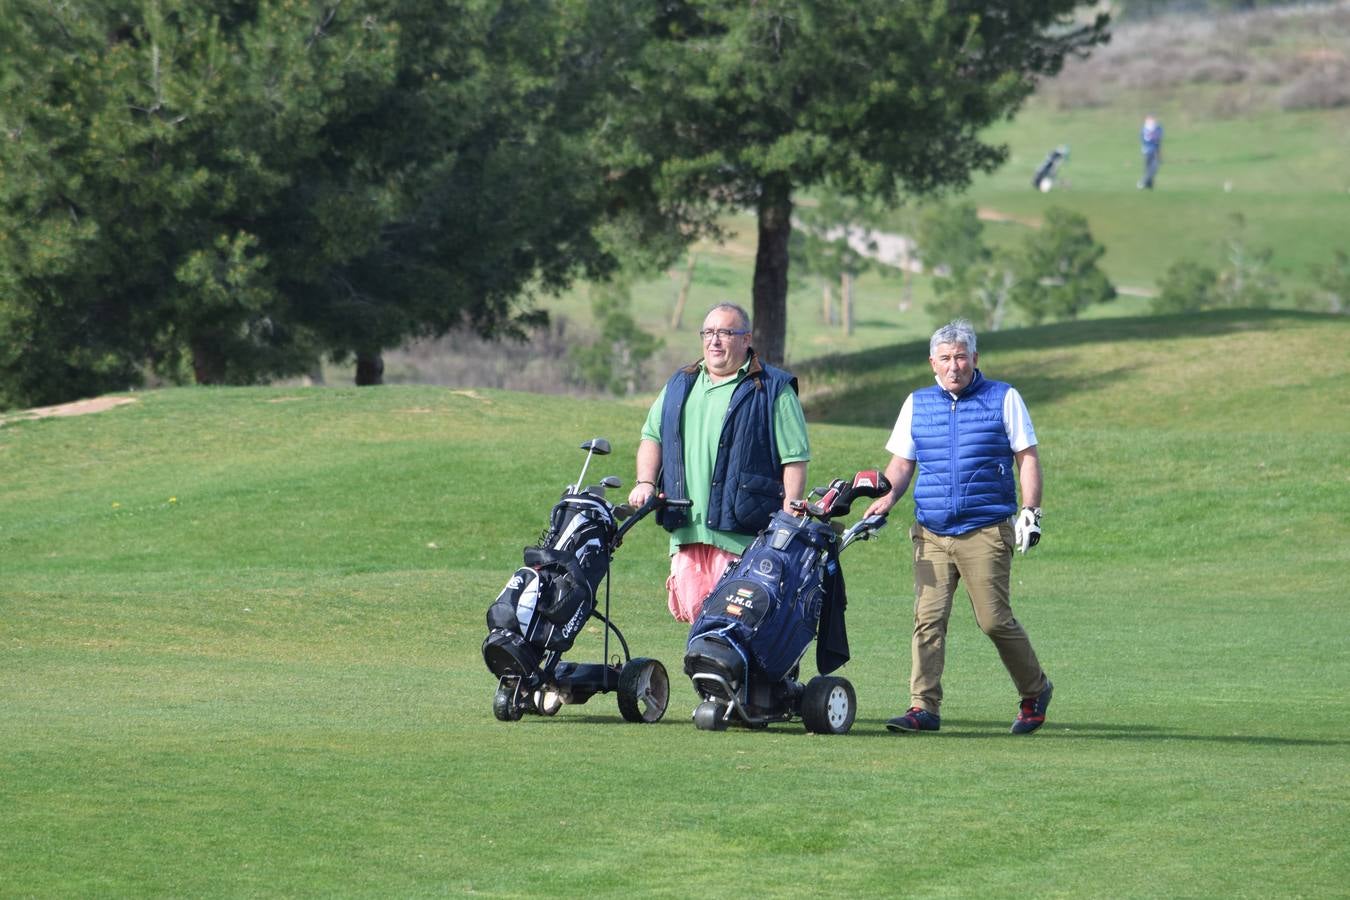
(694, 571)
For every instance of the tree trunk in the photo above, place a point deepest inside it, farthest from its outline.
(906, 282)
(827, 302)
(369, 369)
(846, 301)
(771, 269)
(208, 363)
(1004, 291)
(677, 315)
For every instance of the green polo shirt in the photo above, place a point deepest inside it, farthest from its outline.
(703, 414)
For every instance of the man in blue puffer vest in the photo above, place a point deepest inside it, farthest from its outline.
(966, 435)
(727, 432)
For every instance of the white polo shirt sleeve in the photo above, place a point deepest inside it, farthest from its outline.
(1017, 422)
(901, 442)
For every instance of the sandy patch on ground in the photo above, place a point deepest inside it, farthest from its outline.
(75, 408)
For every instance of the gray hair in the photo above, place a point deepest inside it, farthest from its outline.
(957, 331)
(734, 307)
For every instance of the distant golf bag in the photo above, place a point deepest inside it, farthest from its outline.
(746, 645)
(547, 601)
(1048, 171)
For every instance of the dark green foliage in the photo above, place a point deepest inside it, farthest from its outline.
(1057, 272)
(233, 188)
(151, 148)
(951, 239)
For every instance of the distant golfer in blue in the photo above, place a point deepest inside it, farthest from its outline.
(1150, 144)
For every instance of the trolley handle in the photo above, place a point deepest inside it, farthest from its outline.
(655, 502)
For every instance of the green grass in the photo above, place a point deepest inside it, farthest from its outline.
(240, 631)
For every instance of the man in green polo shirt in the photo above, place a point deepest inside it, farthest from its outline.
(728, 433)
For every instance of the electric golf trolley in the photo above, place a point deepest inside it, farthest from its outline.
(538, 615)
(745, 648)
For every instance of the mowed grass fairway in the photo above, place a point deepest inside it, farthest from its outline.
(240, 631)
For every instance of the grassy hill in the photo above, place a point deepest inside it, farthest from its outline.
(240, 629)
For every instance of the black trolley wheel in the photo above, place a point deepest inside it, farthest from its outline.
(504, 705)
(829, 705)
(644, 690)
(710, 715)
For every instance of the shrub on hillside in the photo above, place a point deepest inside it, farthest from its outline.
(1219, 71)
(1332, 293)
(1289, 46)
(1057, 276)
(1324, 88)
(1187, 286)
(1247, 279)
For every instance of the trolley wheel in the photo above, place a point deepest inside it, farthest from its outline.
(547, 702)
(644, 690)
(504, 705)
(829, 705)
(710, 716)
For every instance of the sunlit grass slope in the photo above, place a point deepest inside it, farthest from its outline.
(240, 629)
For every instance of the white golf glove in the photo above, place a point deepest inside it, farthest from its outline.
(1027, 531)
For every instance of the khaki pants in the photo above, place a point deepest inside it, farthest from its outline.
(984, 559)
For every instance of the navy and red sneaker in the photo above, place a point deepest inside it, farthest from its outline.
(917, 719)
(1032, 714)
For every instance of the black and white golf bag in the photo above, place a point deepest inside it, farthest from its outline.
(544, 605)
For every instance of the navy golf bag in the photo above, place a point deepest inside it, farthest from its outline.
(765, 608)
(745, 647)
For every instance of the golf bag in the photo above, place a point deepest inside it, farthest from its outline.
(547, 601)
(763, 613)
(745, 648)
(1048, 171)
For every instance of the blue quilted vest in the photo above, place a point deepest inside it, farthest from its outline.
(965, 462)
(747, 486)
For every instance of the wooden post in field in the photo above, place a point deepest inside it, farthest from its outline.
(846, 302)
(682, 297)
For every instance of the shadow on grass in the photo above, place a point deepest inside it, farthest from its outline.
(860, 374)
(672, 717)
(963, 729)
(996, 729)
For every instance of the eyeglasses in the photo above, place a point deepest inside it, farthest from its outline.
(724, 333)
